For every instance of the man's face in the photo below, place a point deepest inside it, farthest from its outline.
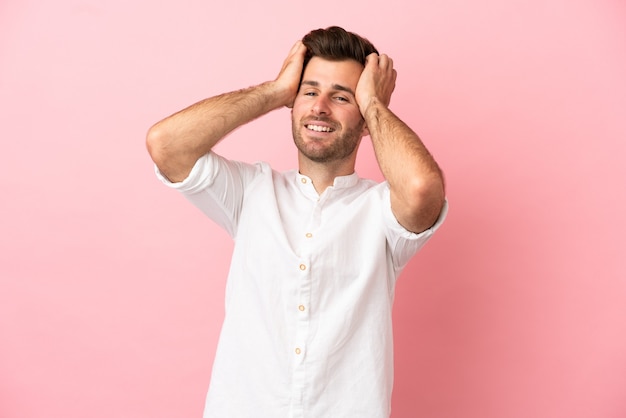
(326, 122)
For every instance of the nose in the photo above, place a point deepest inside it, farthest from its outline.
(321, 106)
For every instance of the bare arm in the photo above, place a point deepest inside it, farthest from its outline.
(176, 142)
(415, 180)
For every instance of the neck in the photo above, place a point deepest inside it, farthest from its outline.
(323, 174)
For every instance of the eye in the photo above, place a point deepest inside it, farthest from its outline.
(341, 99)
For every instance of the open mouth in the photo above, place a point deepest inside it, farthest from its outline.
(319, 128)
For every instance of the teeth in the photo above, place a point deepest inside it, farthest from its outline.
(317, 128)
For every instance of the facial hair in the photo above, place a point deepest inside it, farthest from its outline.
(335, 149)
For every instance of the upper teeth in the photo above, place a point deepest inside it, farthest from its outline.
(319, 128)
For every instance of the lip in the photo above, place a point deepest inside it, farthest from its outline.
(322, 124)
(318, 131)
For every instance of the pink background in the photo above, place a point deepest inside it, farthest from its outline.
(111, 285)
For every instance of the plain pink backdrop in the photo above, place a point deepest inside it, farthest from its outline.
(111, 285)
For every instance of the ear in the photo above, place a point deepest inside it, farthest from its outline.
(365, 131)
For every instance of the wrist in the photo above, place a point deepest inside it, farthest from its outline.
(282, 94)
(371, 107)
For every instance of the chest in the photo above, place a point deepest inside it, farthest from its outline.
(337, 222)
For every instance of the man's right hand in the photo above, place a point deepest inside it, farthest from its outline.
(288, 79)
(176, 142)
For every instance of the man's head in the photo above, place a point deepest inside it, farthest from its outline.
(326, 121)
(336, 44)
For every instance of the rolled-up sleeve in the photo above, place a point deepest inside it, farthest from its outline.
(216, 186)
(404, 243)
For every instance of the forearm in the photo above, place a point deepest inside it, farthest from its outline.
(414, 177)
(176, 142)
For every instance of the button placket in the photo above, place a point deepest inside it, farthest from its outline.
(301, 311)
(300, 305)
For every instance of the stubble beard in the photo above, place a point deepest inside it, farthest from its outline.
(339, 148)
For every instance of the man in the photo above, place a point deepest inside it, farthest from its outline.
(307, 330)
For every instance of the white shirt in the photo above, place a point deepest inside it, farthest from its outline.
(307, 329)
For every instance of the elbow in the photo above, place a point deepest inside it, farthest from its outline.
(427, 191)
(155, 144)
(424, 200)
(166, 155)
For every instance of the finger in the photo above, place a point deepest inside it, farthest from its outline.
(371, 58)
(382, 60)
(297, 49)
(295, 46)
(385, 62)
(296, 55)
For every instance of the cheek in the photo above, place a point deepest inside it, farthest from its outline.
(354, 119)
(298, 109)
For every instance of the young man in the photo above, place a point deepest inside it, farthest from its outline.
(307, 330)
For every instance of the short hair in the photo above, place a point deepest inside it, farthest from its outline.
(336, 44)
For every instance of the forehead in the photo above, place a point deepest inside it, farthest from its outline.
(327, 73)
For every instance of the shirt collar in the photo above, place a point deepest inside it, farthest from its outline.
(343, 182)
(340, 182)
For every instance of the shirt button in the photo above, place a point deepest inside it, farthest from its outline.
(301, 308)
(298, 351)
(303, 180)
(302, 267)
(309, 235)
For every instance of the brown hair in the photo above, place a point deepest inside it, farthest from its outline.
(336, 44)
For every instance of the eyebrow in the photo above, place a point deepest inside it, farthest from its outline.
(338, 87)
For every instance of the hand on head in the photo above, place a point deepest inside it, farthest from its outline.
(291, 72)
(378, 80)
